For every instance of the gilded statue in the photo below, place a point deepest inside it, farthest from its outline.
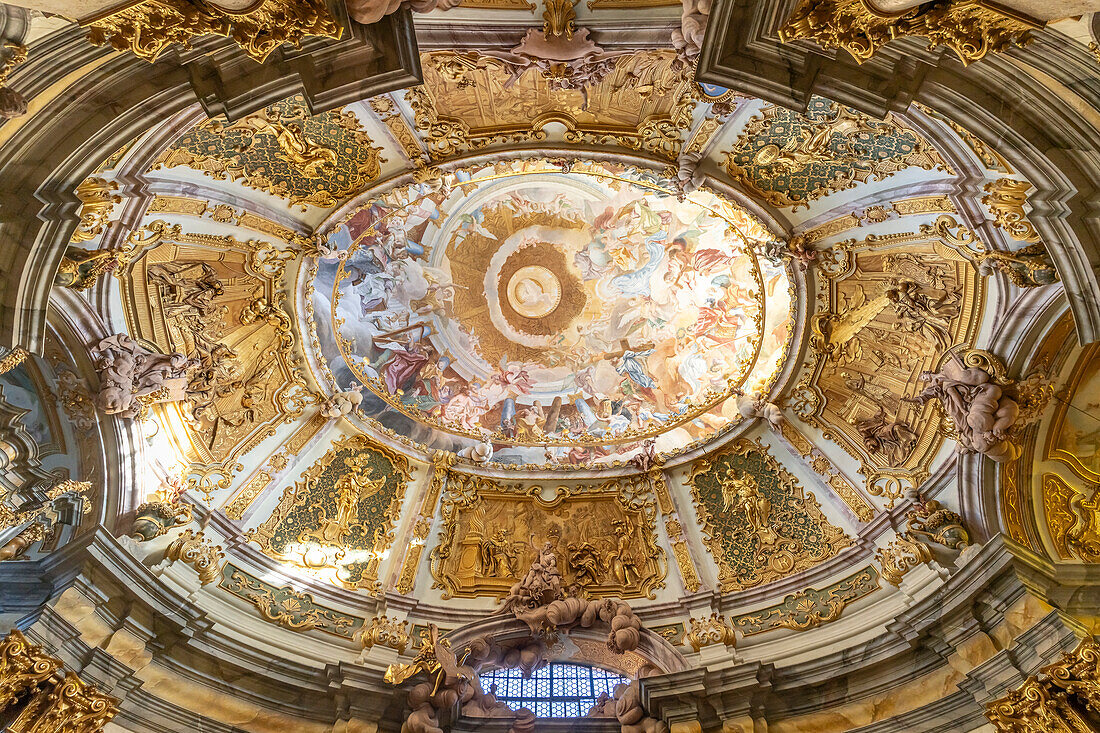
(310, 156)
(922, 314)
(495, 557)
(80, 269)
(586, 564)
(741, 496)
(813, 146)
(624, 565)
(351, 489)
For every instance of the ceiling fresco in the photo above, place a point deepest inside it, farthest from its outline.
(572, 307)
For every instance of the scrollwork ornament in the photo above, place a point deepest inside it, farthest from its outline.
(969, 28)
(384, 631)
(148, 28)
(901, 556)
(198, 552)
(1063, 697)
(708, 631)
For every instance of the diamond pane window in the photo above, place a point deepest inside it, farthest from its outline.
(555, 691)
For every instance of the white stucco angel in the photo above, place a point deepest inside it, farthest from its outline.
(756, 404)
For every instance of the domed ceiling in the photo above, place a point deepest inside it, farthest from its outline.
(434, 287)
(672, 330)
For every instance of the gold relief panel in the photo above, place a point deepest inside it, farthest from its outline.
(339, 518)
(605, 537)
(758, 522)
(216, 300)
(1074, 435)
(1073, 519)
(893, 306)
(147, 28)
(641, 101)
(792, 158)
(284, 151)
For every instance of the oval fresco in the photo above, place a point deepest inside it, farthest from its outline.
(564, 311)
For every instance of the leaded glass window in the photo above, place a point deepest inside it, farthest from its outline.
(555, 691)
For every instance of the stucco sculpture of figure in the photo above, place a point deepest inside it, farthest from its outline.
(129, 371)
(372, 11)
(343, 403)
(757, 405)
(979, 405)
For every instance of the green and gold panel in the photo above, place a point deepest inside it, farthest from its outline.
(791, 158)
(284, 151)
(340, 516)
(758, 522)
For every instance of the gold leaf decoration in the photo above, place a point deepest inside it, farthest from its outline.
(283, 151)
(147, 28)
(758, 522)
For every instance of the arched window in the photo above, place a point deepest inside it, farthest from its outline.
(555, 691)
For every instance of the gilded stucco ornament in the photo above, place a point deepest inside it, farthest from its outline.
(809, 608)
(288, 607)
(709, 631)
(282, 150)
(155, 518)
(899, 557)
(1062, 697)
(38, 695)
(970, 28)
(194, 549)
(384, 631)
(1073, 519)
(603, 536)
(12, 358)
(792, 158)
(758, 522)
(339, 519)
(147, 28)
(48, 510)
(98, 198)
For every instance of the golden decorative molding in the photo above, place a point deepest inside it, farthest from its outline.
(339, 517)
(1062, 698)
(391, 116)
(901, 556)
(283, 151)
(709, 631)
(889, 307)
(12, 359)
(674, 529)
(499, 4)
(97, 199)
(791, 159)
(148, 28)
(809, 608)
(970, 28)
(632, 4)
(604, 535)
(12, 103)
(422, 524)
(924, 205)
(758, 522)
(225, 214)
(384, 631)
(640, 101)
(287, 607)
(37, 694)
(827, 469)
(1006, 200)
(1073, 519)
(155, 518)
(197, 551)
